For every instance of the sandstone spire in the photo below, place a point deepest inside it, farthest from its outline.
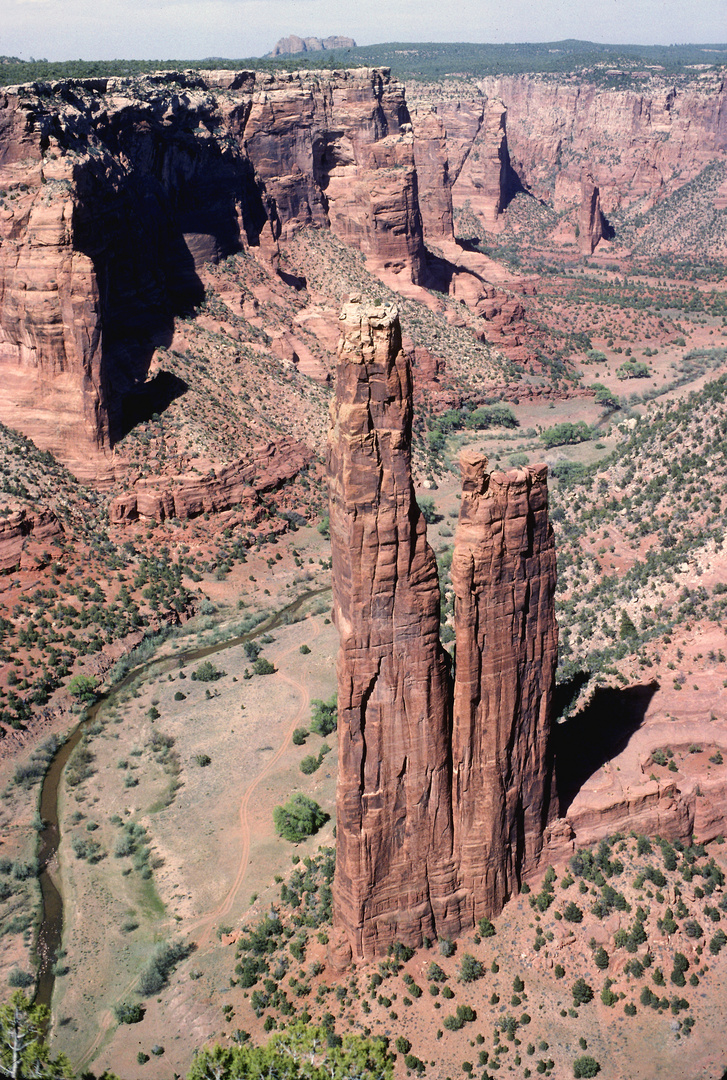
(437, 819)
(394, 875)
(503, 574)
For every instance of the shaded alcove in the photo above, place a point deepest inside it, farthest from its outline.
(596, 734)
(153, 194)
(150, 398)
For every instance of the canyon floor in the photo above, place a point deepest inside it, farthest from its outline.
(166, 822)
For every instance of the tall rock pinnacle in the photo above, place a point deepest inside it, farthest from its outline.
(394, 874)
(437, 818)
(503, 574)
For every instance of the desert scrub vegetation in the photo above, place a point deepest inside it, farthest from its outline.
(640, 965)
(94, 592)
(663, 513)
(161, 964)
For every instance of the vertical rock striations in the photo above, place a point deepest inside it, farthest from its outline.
(590, 219)
(437, 822)
(503, 574)
(394, 876)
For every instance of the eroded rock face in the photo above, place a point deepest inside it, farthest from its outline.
(336, 150)
(119, 190)
(25, 536)
(503, 575)
(238, 484)
(394, 873)
(486, 178)
(416, 856)
(294, 45)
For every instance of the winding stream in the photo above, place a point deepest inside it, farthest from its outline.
(50, 931)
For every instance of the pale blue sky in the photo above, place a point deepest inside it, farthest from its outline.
(190, 29)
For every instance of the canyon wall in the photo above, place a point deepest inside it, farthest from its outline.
(435, 825)
(637, 144)
(113, 193)
(544, 133)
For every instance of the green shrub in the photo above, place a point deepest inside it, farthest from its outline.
(299, 736)
(159, 967)
(566, 433)
(600, 958)
(470, 969)
(299, 818)
(309, 764)
(20, 979)
(572, 913)
(582, 992)
(128, 1013)
(453, 1023)
(324, 719)
(83, 688)
(261, 666)
(207, 672)
(585, 1066)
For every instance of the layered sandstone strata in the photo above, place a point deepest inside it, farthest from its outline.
(503, 574)
(240, 483)
(25, 537)
(394, 873)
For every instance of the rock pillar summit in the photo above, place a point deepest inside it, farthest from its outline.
(439, 815)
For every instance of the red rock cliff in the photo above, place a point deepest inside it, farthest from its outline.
(637, 145)
(394, 875)
(115, 191)
(503, 574)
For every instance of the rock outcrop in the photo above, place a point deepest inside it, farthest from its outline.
(187, 495)
(394, 873)
(24, 538)
(503, 575)
(486, 177)
(337, 150)
(590, 219)
(296, 46)
(413, 857)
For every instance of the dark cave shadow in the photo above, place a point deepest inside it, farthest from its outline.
(294, 281)
(151, 398)
(607, 230)
(439, 272)
(596, 735)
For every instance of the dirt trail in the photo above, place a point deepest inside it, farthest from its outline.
(203, 927)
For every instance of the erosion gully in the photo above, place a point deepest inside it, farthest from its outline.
(50, 931)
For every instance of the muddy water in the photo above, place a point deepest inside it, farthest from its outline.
(50, 932)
